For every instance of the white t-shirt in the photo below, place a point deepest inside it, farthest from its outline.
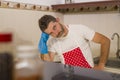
(78, 36)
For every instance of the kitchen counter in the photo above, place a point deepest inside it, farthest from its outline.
(113, 70)
(52, 69)
(112, 65)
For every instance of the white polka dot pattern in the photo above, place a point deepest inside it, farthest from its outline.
(75, 58)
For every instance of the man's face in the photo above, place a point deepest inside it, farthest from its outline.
(55, 29)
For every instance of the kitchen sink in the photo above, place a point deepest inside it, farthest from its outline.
(111, 62)
(66, 76)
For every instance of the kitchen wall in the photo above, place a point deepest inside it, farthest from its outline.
(23, 24)
(105, 23)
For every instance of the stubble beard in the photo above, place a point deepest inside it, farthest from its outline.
(61, 33)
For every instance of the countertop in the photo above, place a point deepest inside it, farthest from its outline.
(51, 69)
(113, 70)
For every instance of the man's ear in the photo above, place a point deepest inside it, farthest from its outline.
(58, 19)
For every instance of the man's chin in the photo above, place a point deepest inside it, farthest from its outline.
(58, 37)
(62, 36)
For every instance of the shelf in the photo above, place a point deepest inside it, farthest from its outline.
(24, 6)
(99, 6)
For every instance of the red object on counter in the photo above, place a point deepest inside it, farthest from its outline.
(5, 37)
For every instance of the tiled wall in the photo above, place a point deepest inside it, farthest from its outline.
(24, 24)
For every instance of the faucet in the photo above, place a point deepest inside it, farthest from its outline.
(118, 50)
(69, 70)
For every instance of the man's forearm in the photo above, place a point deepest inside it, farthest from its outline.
(104, 52)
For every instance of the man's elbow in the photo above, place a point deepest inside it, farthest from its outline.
(107, 41)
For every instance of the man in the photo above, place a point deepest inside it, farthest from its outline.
(71, 43)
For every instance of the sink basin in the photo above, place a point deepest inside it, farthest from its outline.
(111, 62)
(65, 76)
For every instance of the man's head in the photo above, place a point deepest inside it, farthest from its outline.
(51, 26)
(44, 21)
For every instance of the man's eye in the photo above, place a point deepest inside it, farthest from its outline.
(54, 27)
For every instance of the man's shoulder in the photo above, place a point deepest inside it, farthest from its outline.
(76, 26)
(52, 40)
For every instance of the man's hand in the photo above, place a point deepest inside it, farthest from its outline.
(45, 57)
(99, 67)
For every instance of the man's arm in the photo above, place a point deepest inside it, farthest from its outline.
(45, 57)
(42, 46)
(48, 57)
(105, 46)
(52, 55)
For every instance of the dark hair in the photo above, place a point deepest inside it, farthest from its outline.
(44, 21)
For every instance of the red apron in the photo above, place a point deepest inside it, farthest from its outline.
(75, 57)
